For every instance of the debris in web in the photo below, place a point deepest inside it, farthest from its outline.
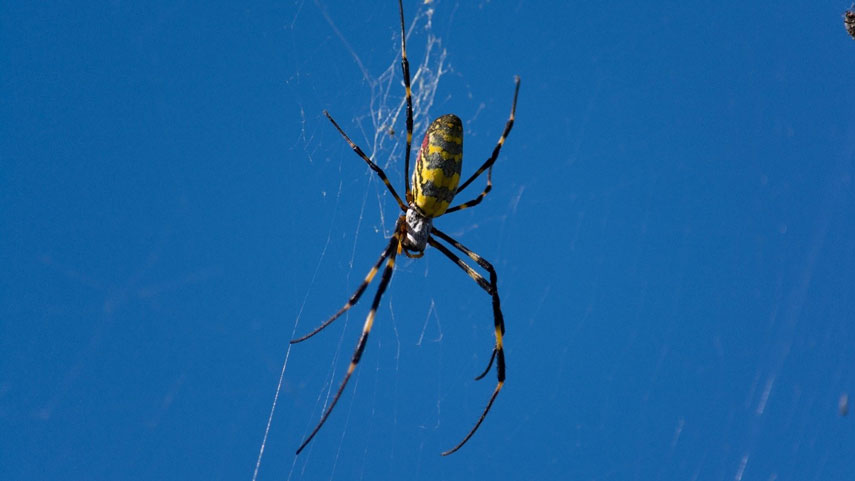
(849, 20)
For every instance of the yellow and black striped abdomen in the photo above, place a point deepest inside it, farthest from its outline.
(437, 170)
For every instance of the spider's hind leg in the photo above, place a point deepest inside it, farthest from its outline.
(488, 164)
(374, 167)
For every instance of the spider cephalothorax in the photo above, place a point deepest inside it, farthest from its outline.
(436, 176)
(418, 231)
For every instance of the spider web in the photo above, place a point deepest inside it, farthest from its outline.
(379, 135)
(688, 314)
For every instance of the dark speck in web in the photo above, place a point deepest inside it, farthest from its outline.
(849, 21)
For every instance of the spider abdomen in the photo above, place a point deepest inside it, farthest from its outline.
(437, 170)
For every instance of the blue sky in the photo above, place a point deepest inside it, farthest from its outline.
(671, 221)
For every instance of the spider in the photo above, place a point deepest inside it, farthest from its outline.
(435, 183)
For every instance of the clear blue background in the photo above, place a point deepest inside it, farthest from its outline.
(672, 223)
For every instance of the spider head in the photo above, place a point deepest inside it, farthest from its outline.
(418, 230)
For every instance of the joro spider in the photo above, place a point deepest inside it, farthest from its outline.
(435, 183)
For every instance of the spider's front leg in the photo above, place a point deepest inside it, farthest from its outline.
(394, 248)
(498, 318)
